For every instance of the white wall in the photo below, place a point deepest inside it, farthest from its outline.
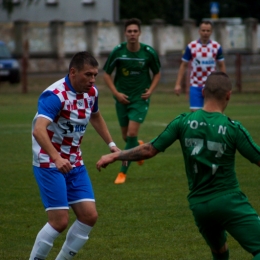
(65, 10)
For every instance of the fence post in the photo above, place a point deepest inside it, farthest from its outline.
(91, 36)
(219, 27)
(121, 27)
(25, 63)
(57, 42)
(238, 72)
(251, 34)
(157, 25)
(20, 36)
(189, 28)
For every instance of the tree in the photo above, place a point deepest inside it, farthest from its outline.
(8, 5)
(172, 10)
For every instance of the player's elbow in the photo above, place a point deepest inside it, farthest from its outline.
(150, 151)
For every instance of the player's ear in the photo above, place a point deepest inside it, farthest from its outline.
(72, 70)
(203, 94)
(228, 95)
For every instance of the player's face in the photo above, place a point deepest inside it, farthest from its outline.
(84, 79)
(205, 32)
(132, 33)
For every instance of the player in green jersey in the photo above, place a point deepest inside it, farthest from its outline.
(132, 86)
(209, 141)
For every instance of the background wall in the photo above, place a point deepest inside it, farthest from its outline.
(77, 36)
(68, 10)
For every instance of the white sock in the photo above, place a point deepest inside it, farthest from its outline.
(44, 242)
(76, 237)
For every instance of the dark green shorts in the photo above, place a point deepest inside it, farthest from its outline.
(135, 111)
(232, 213)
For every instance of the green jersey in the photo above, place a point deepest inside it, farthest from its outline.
(209, 142)
(132, 69)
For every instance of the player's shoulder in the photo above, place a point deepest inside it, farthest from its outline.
(147, 48)
(119, 47)
(238, 127)
(215, 43)
(93, 92)
(182, 116)
(234, 123)
(58, 85)
(193, 43)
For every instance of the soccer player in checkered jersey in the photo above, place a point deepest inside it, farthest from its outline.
(204, 55)
(64, 110)
(209, 140)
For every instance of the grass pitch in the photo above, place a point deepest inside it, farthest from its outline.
(145, 218)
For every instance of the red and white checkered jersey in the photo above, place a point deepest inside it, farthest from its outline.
(68, 127)
(203, 60)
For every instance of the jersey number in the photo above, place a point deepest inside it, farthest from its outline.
(197, 145)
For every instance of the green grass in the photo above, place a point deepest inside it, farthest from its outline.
(145, 218)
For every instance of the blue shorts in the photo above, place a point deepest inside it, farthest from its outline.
(59, 190)
(196, 98)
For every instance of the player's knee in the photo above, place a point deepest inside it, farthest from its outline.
(92, 218)
(59, 224)
(221, 254)
(89, 219)
(132, 133)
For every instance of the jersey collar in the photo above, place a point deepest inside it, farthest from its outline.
(67, 80)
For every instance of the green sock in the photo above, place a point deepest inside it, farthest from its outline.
(131, 142)
(224, 256)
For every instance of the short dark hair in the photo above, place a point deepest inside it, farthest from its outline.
(206, 22)
(217, 85)
(133, 21)
(81, 58)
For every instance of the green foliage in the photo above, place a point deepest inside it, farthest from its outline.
(8, 5)
(145, 218)
(172, 10)
(168, 10)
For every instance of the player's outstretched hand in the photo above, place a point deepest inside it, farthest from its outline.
(114, 149)
(105, 160)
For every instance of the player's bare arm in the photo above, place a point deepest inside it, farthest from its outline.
(155, 81)
(121, 97)
(222, 66)
(41, 136)
(99, 124)
(177, 89)
(141, 152)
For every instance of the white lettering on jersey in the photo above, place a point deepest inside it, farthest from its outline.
(194, 142)
(194, 124)
(218, 147)
(222, 129)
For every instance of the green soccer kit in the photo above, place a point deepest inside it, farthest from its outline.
(209, 142)
(132, 69)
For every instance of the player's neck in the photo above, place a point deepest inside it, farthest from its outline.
(213, 107)
(133, 47)
(204, 42)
